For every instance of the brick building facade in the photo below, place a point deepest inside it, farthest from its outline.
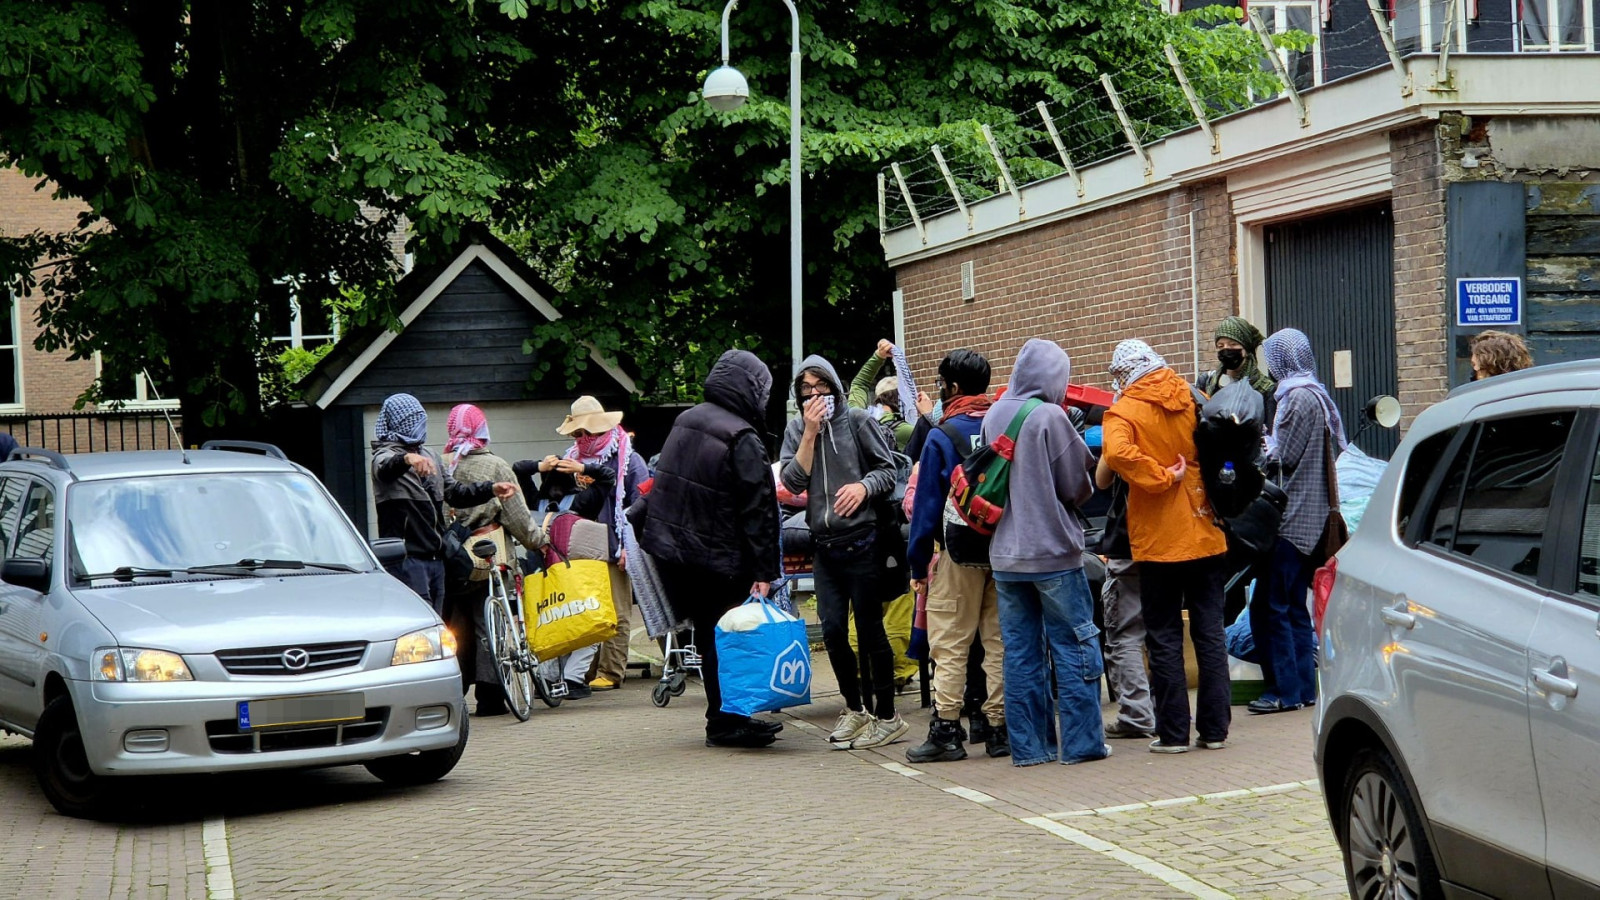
(1340, 226)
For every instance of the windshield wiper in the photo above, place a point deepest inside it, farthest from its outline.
(128, 573)
(252, 565)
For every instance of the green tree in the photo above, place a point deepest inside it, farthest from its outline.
(667, 233)
(227, 151)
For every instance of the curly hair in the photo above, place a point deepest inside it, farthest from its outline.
(1499, 352)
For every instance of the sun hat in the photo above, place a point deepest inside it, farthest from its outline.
(587, 414)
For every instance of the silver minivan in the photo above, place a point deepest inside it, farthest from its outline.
(1458, 733)
(168, 612)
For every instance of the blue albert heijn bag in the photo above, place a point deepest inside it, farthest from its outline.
(763, 658)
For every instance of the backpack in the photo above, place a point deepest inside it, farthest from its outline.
(980, 486)
(961, 543)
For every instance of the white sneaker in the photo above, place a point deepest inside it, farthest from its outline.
(852, 724)
(881, 731)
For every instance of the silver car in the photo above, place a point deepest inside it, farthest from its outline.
(1458, 735)
(208, 611)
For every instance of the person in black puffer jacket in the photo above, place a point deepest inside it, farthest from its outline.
(711, 521)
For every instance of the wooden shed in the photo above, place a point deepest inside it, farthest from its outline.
(461, 341)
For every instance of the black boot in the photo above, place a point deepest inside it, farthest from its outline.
(999, 742)
(943, 744)
(978, 727)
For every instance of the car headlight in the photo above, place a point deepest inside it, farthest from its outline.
(129, 664)
(426, 645)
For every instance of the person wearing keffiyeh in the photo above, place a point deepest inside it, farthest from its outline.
(1173, 536)
(467, 448)
(1305, 429)
(598, 438)
(410, 488)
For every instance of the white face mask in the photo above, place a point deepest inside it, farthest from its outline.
(827, 405)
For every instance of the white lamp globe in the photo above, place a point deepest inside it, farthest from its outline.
(726, 89)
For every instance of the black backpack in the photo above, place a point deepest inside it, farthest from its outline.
(962, 543)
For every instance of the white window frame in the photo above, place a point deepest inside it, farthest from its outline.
(143, 396)
(296, 338)
(1425, 13)
(15, 345)
(1551, 7)
(1279, 23)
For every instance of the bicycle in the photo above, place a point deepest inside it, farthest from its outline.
(521, 675)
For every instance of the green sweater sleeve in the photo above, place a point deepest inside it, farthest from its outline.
(865, 381)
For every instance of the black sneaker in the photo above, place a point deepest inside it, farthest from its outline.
(999, 742)
(577, 690)
(943, 743)
(765, 725)
(743, 736)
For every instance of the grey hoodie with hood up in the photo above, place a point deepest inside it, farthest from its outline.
(1040, 532)
(850, 448)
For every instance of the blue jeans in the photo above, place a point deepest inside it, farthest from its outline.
(426, 577)
(1282, 626)
(1058, 613)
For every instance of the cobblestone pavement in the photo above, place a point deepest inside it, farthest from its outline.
(612, 796)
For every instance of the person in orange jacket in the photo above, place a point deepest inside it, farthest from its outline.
(1148, 436)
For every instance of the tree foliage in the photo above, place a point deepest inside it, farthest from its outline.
(229, 153)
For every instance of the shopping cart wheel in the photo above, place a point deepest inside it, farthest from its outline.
(678, 683)
(660, 695)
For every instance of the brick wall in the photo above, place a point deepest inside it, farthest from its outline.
(1418, 203)
(50, 383)
(1085, 282)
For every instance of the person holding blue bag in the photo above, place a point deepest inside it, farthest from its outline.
(711, 523)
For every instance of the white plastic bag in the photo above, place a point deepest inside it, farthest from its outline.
(1358, 476)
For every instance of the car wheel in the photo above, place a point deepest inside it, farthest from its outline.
(1386, 852)
(421, 767)
(61, 763)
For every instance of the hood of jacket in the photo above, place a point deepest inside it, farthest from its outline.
(840, 395)
(1042, 371)
(1164, 388)
(741, 383)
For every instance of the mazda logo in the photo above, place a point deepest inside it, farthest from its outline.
(295, 659)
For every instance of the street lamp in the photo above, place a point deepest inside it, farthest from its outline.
(726, 90)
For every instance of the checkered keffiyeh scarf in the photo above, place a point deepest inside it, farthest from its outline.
(469, 431)
(1291, 361)
(1131, 361)
(402, 420)
(907, 385)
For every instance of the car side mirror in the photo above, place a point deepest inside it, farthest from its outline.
(33, 574)
(389, 551)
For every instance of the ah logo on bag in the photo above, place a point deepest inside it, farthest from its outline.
(791, 671)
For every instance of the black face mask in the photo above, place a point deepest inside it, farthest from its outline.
(1230, 359)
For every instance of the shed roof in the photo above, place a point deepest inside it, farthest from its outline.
(463, 326)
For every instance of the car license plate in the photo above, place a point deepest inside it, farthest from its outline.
(319, 709)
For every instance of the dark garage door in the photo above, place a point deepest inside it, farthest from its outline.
(1332, 277)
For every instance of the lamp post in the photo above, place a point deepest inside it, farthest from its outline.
(726, 89)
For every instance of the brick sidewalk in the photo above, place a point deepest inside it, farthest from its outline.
(613, 796)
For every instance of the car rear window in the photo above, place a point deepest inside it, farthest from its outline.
(1495, 501)
(1419, 468)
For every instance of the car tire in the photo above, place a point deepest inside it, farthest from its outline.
(1386, 852)
(423, 766)
(61, 763)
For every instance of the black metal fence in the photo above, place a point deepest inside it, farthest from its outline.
(93, 432)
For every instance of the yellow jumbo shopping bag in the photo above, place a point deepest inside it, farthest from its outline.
(568, 606)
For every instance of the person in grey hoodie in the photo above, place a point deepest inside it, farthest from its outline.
(1037, 556)
(840, 458)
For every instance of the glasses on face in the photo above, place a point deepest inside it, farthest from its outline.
(580, 433)
(808, 391)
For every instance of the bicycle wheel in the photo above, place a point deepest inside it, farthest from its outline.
(506, 645)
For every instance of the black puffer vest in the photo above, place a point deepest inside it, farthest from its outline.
(692, 519)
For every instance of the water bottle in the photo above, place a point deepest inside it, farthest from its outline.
(1226, 476)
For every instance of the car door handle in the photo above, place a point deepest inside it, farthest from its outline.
(1398, 616)
(1555, 680)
